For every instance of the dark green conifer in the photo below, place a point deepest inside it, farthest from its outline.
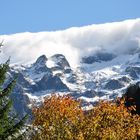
(10, 125)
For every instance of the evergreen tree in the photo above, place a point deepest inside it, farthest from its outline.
(132, 97)
(10, 125)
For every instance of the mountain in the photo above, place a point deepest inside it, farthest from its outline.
(106, 77)
(36, 81)
(91, 63)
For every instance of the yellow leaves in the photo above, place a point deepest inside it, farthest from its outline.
(61, 117)
(112, 121)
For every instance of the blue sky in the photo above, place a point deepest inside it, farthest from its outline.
(50, 15)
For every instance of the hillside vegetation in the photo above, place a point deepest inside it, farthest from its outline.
(62, 118)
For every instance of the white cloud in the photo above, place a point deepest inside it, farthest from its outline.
(119, 37)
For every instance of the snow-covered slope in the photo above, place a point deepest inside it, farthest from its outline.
(90, 82)
(91, 63)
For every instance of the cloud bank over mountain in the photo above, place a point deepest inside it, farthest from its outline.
(74, 43)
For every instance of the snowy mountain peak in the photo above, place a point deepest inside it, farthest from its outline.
(91, 63)
(58, 62)
(102, 76)
(41, 60)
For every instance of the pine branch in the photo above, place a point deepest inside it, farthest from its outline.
(5, 109)
(3, 69)
(15, 128)
(7, 90)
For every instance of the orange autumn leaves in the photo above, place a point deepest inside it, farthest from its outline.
(58, 118)
(62, 118)
(111, 121)
(59, 107)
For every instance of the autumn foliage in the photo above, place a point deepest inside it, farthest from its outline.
(58, 118)
(62, 118)
(111, 121)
